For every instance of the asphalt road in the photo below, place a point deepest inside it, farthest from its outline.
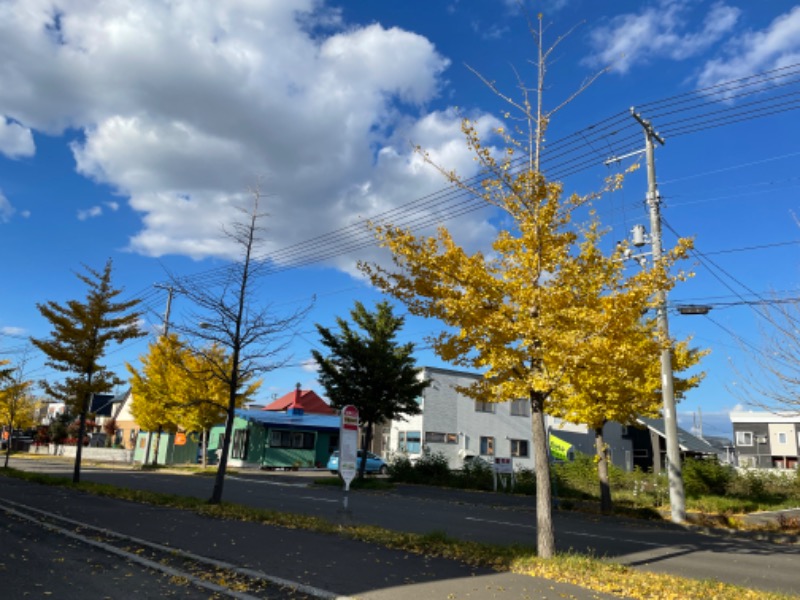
(496, 519)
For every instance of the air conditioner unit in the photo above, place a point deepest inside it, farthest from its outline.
(762, 439)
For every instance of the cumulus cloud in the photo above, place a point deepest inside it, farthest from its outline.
(776, 46)
(658, 31)
(6, 209)
(182, 106)
(16, 141)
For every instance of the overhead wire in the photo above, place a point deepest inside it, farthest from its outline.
(561, 158)
(713, 271)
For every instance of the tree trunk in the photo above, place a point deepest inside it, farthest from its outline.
(146, 458)
(158, 443)
(204, 445)
(545, 539)
(606, 506)
(362, 467)
(76, 471)
(219, 478)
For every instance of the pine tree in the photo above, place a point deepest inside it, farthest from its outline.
(369, 369)
(81, 333)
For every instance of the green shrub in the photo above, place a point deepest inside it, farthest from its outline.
(576, 478)
(401, 469)
(706, 477)
(526, 482)
(476, 475)
(432, 468)
(750, 484)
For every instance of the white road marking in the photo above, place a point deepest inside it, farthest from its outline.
(578, 533)
(267, 482)
(331, 500)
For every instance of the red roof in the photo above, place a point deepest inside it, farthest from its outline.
(305, 399)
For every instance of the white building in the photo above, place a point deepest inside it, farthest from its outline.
(460, 428)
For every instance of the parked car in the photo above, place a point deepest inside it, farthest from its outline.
(375, 464)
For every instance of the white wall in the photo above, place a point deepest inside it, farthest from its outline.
(789, 447)
(446, 411)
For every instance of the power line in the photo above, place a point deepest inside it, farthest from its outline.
(562, 158)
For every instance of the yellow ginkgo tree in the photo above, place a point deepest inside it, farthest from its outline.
(619, 378)
(201, 398)
(17, 406)
(154, 386)
(522, 313)
(178, 388)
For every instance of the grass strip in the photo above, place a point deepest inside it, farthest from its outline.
(585, 571)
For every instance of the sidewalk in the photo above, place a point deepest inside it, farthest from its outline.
(345, 568)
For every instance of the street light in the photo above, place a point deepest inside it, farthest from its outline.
(693, 309)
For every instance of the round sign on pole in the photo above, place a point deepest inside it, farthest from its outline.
(348, 445)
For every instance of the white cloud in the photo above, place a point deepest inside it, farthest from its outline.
(184, 105)
(12, 331)
(90, 213)
(776, 46)
(6, 209)
(309, 365)
(658, 31)
(16, 141)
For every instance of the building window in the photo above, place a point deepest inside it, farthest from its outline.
(485, 407)
(744, 438)
(239, 449)
(641, 453)
(409, 442)
(299, 440)
(520, 408)
(520, 448)
(781, 438)
(436, 437)
(487, 446)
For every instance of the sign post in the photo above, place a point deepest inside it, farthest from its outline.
(348, 447)
(503, 466)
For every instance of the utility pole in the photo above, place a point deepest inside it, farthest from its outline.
(170, 291)
(164, 333)
(677, 496)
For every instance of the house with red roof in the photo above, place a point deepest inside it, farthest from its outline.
(306, 400)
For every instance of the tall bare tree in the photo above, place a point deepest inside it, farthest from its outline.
(770, 377)
(81, 333)
(229, 316)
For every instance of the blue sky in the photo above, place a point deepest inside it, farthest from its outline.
(130, 130)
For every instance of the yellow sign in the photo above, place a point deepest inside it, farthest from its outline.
(559, 449)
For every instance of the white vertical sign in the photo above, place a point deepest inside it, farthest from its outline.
(348, 445)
